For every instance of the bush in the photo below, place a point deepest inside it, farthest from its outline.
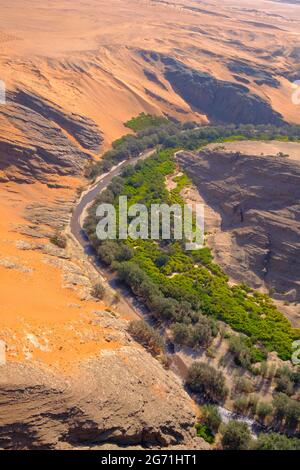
(285, 385)
(211, 417)
(98, 291)
(236, 436)
(263, 410)
(162, 260)
(143, 121)
(241, 352)
(195, 335)
(108, 251)
(243, 385)
(204, 432)
(205, 379)
(274, 441)
(286, 409)
(59, 240)
(287, 380)
(147, 336)
(241, 404)
(253, 403)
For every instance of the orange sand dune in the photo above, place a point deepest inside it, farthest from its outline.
(39, 319)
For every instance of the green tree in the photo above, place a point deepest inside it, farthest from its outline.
(211, 417)
(241, 404)
(274, 441)
(236, 436)
(263, 410)
(205, 379)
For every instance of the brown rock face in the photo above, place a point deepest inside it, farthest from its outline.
(257, 198)
(113, 398)
(45, 139)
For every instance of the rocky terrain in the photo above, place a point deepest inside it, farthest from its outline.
(254, 188)
(41, 145)
(220, 100)
(112, 398)
(79, 379)
(73, 76)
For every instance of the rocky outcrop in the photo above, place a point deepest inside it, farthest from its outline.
(83, 129)
(38, 140)
(113, 399)
(260, 74)
(220, 100)
(257, 198)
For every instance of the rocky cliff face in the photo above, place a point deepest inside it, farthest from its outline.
(220, 100)
(39, 139)
(257, 198)
(113, 398)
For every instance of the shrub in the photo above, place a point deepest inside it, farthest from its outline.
(241, 404)
(263, 410)
(143, 121)
(125, 253)
(243, 385)
(236, 436)
(285, 385)
(211, 417)
(204, 432)
(240, 350)
(162, 260)
(274, 441)
(147, 336)
(59, 240)
(197, 335)
(98, 291)
(253, 403)
(108, 251)
(286, 409)
(287, 380)
(205, 379)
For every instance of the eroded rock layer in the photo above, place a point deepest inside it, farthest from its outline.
(113, 398)
(257, 197)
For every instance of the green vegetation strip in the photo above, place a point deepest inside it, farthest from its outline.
(144, 121)
(153, 131)
(182, 287)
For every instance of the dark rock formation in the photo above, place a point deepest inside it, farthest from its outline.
(84, 130)
(41, 143)
(261, 76)
(258, 200)
(114, 399)
(154, 78)
(243, 80)
(220, 100)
